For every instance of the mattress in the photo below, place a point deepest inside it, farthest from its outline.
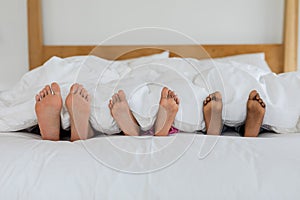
(181, 166)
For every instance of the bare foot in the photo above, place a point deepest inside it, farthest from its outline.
(120, 111)
(168, 108)
(212, 111)
(255, 114)
(48, 106)
(78, 105)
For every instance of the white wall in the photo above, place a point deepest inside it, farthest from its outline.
(93, 21)
(207, 21)
(13, 41)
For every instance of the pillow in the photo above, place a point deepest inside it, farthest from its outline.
(254, 59)
(135, 61)
(244, 60)
(146, 59)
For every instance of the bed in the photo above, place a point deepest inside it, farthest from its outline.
(236, 168)
(181, 166)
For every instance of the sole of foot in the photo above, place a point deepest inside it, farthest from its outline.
(122, 114)
(255, 114)
(212, 112)
(48, 107)
(168, 108)
(78, 105)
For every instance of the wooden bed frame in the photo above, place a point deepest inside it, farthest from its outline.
(280, 57)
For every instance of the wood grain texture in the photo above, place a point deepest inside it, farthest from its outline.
(35, 33)
(280, 57)
(273, 52)
(291, 35)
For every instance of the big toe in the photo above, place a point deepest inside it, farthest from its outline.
(164, 92)
(217, 95)
(122, 95)
(74, 88)
(55, 88)
(253, 94)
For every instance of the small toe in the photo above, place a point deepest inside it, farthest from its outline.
(172, 94)
(110, 104)
(115, 98)
(87, 94)
(177, 100)
(83, 92)
(48, 90)
(42, 95)
(79, 90)
(118, 97)
(87, 98)
(257, 97)
(45, 92)
(37, 97)
(169, 94)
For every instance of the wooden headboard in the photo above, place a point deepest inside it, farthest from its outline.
(280, 57)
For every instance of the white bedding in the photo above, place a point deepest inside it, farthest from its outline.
(142, 81)
(120, 167)
(181, 166)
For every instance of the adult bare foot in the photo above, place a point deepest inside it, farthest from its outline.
(78, 105)
(212, 111)
(255, 114)
(120, 111)
(168, 108)
(48, 106)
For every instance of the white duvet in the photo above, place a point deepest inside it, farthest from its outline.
(142, 81)
(181, 166)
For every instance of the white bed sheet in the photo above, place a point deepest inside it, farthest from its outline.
(120, 167)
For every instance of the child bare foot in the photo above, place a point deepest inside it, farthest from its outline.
(168, 108)
(78, 105)
(48, 106)
(212, 111)
(255, 114)
(120, 111)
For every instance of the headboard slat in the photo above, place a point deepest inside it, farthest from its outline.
(35, 33)
(273, 52)
(291, 35)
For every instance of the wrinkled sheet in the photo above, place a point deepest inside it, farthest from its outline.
(191, 79)
(181, 166)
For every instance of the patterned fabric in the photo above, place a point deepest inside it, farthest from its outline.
(151, 131)
(173, 130)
